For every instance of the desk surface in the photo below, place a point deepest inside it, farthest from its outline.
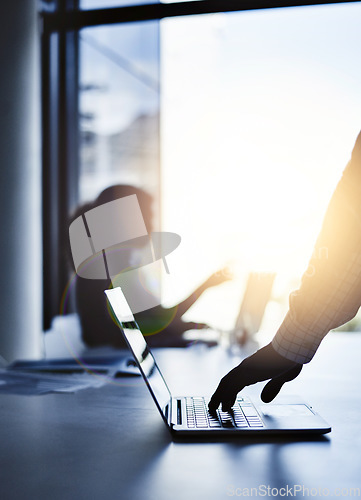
(111, 442)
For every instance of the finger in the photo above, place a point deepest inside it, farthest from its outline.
(229, 399)
(214, 403)
(228, 389)
(228, 403)
(216, 399)
(223, 397)
(273, 387)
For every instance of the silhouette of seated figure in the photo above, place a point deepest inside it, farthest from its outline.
(162, 326)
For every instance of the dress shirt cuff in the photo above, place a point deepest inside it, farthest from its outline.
(294, 342)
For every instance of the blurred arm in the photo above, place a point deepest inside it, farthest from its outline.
(214, 280)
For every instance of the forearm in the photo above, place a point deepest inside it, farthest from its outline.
(330, 291)
(189, 301)
(304, 328)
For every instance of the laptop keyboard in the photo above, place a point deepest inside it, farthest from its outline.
(243, 415)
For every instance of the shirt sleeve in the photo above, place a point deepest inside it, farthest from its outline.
(330, 290)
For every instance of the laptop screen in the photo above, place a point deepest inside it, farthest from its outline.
(137, 344)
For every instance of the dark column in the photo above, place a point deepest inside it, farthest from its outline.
(20, 180)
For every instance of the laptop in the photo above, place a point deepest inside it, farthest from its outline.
(188, 415)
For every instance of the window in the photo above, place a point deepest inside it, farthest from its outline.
(119, 108)
(223, 100)
(260, 111)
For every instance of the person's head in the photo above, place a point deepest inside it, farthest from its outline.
(97, 325)
(112, 193)
(122, 190)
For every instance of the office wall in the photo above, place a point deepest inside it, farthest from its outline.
(20, 181)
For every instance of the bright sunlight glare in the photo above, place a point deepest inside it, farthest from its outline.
(260, 111)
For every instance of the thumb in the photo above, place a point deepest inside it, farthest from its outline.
(273, 387)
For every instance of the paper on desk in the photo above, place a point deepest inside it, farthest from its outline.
(25, 383)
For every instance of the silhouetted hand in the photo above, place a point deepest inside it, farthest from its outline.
(262, 365)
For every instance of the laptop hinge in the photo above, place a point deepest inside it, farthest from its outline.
(179, 412)
(176, 412)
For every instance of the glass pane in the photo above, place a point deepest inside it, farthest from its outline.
(260, 111)
(119, 157)
(119, 108)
